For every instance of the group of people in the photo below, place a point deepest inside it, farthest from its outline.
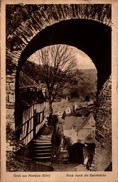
(88, 148)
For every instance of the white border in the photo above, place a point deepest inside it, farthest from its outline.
(62, 176)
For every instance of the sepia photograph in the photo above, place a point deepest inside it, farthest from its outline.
(58, 90)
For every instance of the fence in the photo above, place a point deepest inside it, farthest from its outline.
(32, 122)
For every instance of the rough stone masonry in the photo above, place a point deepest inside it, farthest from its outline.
(23, 23)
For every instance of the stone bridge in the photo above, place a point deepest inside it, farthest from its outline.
(86, 27)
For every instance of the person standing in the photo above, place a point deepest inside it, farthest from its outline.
(89, 143)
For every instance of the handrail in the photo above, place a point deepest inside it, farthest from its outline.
(20, 126)
(30, 132)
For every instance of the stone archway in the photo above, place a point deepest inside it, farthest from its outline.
(96, 42)
(90, 36)
(99, 50)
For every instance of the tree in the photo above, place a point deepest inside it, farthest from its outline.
(57, 63)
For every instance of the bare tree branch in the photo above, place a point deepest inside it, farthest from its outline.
(57, 62)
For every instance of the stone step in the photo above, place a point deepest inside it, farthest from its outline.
(43, 141)
(42, 144)
(42, 147)
(43, 154)
(42, 158)
(44, 138)
(42, 150)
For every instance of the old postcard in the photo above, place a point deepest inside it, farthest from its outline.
(59, 84)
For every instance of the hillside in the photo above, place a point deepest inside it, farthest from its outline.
(90, 79)
(82, 83)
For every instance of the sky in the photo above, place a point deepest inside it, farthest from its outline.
(83, 60)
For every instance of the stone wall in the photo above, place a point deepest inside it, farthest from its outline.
(10, 99)
(103, 155)
(25, 21)
(22, 26)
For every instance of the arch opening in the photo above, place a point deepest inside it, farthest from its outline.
(91, 37)
(67, 59)
(78, 87)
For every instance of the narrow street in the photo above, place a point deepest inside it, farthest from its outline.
(62, 164)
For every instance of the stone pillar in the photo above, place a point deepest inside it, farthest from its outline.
(103, 154)
(10, 99)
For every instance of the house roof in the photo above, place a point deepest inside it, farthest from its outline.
(87, 132)
(72, 120)
(84, 130)
(29, 96)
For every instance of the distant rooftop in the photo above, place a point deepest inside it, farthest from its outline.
(29, 96)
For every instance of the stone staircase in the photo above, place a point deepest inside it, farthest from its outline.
(42, 146)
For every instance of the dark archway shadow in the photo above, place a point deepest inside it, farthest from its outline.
(91, 37)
